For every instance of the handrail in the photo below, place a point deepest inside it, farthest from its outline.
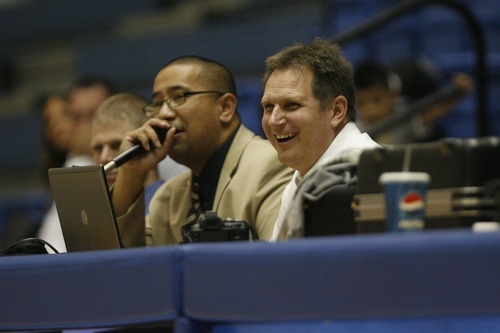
(385, 17)
(405, 112)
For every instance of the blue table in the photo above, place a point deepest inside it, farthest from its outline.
(432, 281)
(380, 283)
(89, 289)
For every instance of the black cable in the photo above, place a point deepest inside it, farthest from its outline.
(28, 246)
(255, 237)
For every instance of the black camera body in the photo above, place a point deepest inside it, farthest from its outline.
(211, 228)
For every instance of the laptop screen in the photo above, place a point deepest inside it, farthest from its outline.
(84, 208)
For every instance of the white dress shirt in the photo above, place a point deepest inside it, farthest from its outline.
(348, 139)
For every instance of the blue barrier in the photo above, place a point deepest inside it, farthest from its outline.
(92, 289)
(432, 281)
(398, 277)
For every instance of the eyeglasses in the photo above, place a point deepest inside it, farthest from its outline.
(174, 100)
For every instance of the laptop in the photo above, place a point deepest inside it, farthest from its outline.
(83, 203)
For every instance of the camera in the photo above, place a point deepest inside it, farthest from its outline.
(211, 228)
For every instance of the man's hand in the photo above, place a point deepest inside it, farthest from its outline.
(148, 138)
(131, 175)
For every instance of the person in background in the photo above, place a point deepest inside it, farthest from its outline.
(381, 91)
(113, 118)
(233, 171)
(309, 115)
(377, 93)
(56, 132)
(82, 100)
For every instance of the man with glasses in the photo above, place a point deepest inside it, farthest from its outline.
(234, 172)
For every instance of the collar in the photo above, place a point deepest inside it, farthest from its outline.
(210, 174)
(345, 139)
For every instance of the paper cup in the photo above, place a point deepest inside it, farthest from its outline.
(405, 199)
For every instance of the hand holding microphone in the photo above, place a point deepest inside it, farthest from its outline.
(136, 150)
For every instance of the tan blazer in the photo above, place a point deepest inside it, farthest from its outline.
(250, 187)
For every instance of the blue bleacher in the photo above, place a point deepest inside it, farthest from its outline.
(21, 213)
(21, 142)
(243, 48)
(443, 31)
(437, 32)
(451, 63)
(249, 96)
(42, 20)
(457, 123)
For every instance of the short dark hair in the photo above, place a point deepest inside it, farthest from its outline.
(216, 74)
(332, 73)
(369, 73)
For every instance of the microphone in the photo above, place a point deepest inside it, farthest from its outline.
(132, 152)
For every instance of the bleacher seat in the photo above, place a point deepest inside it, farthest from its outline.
(21, 214)
(21, 141)
(452, 63)
(345, 14)
(461, 121)
(56, 18)
(243, 48)
(494, 92)
(399, 40)
(249, 96)
(443, 31)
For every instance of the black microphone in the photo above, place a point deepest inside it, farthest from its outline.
(133, 151)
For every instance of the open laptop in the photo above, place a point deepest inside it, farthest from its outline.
(83, 203)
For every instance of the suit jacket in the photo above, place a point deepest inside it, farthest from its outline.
(250, 187)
